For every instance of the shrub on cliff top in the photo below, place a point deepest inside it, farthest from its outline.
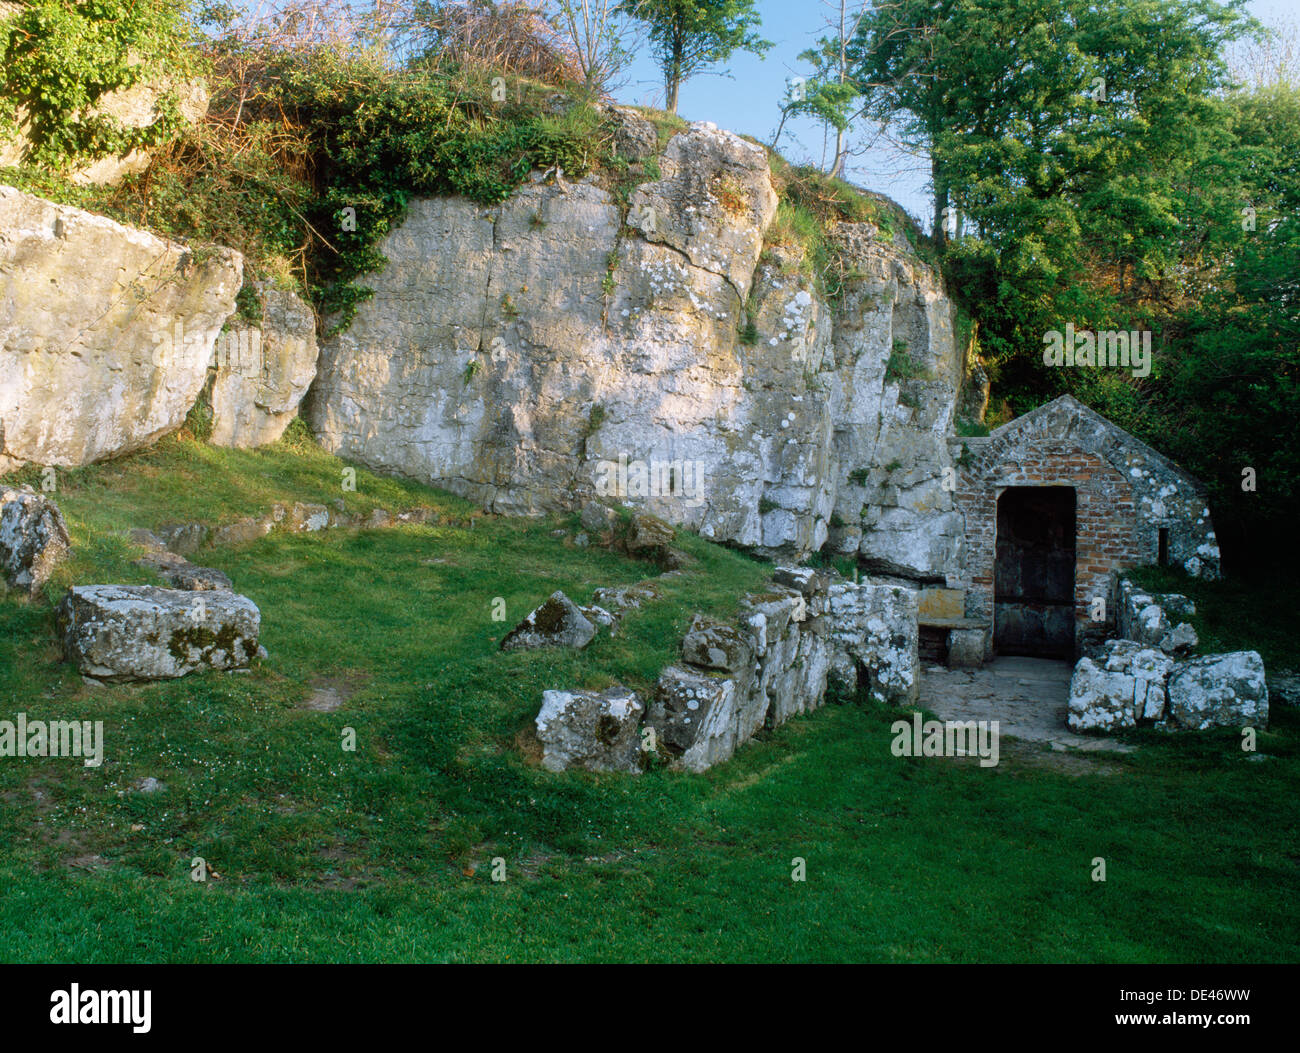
(58, 60)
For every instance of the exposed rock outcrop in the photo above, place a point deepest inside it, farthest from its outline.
(105, 332)
(263, 370)
(539, 354)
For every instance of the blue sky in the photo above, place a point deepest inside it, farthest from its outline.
(747, 100)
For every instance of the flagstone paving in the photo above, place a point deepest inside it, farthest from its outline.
(1027, 696)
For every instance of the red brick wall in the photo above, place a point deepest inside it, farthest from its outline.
(1110, 535)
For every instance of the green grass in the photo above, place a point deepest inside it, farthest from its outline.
(1235, 614)
(327, 855)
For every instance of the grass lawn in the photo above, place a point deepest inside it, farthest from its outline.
(386, 852)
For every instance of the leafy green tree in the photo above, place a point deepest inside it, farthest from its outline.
(1232, 397)
(1107, 173)
(688, 36)
(1067, 133)
(831, 95)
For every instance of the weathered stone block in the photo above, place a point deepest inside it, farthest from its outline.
(1221, 690)
(138, 632)
(184, 539)
(307, 518)
(592, 731)
(875, 641)
(105, 332)
(941, 603)
(558, 622)
(1156, 619)
(694, 717)
(712, 644)
(33, 538)
(966, 648)
(598, 518)
(242, 531)
(1126, 686)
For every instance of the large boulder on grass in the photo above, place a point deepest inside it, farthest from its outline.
(1123, 687)
(558, 622)
(1219, 690)
(33, 538)
(589, 730)
(139, 632)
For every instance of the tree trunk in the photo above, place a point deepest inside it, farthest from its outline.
(940, 182)
(841, 147)
(841, 156)
(673, 74)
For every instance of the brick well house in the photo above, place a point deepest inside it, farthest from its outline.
(1054, 503)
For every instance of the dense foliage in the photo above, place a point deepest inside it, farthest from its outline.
(1094, 165)
(58, 59)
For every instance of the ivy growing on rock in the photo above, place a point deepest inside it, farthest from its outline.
(58, 60)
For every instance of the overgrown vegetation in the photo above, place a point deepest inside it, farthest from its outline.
(810, 204)
(59, 61)
(312, 148)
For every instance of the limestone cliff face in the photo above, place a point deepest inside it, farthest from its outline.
(262, 370)
(105, 332)
(555, 349)
(672, 355)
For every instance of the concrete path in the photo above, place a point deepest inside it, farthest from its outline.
(1027, 696)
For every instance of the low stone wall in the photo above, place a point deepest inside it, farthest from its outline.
(1132, 684)
(773, 662)
(1156, 619)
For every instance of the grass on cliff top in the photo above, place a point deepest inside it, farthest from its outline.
(385, 853)
(811, 203)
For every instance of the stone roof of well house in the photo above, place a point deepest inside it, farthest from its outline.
(1067, 419)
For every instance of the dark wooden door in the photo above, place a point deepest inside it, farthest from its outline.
(1033, 576)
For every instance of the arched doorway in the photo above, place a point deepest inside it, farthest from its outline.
(1033, 574)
